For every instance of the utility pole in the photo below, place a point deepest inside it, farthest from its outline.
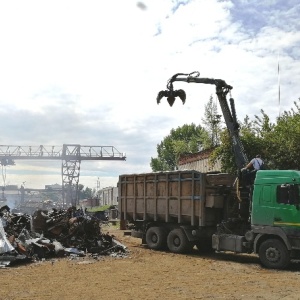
(98, 190)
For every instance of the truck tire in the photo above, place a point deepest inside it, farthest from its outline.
(177, 241)
(156, 238)
(273, 254)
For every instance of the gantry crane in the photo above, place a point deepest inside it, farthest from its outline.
(71, 156)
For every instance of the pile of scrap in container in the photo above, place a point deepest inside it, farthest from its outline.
(54, 233)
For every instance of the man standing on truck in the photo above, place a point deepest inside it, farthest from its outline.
(254, 165)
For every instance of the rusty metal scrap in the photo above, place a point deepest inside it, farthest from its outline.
(54, 233)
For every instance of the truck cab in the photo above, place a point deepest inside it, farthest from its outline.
(275, 217)
(275, 199)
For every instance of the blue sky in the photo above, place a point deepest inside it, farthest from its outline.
(88, 72)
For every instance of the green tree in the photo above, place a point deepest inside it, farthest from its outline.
(252, 135)
(85, 193)
(212, 123)
(278, 142)
(183, 140)
(282, 141)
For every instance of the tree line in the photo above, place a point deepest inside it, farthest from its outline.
(278, 142)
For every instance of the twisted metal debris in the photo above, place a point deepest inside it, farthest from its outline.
(53, 233)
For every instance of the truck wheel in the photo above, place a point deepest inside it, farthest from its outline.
(177, 241)
(156, 238)
(273, 254)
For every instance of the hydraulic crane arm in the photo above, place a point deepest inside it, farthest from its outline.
(229, 114)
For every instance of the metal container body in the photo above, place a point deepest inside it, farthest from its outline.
(177, 197)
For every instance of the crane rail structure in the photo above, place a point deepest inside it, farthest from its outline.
(71, 156)
(9, 153)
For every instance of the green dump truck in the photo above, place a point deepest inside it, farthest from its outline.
(181, 209)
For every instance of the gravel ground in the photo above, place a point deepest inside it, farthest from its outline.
(148, 274)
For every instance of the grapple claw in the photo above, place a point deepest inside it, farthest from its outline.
(181, 94)
(160, 95)
(171, 100)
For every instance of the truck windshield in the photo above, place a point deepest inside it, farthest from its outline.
(288, 194)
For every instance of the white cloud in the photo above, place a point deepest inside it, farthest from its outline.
(88, 72)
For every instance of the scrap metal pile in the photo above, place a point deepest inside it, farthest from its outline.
(53, 233)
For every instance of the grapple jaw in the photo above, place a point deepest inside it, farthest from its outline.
(181, 94)
(171, 95)
(160, 95)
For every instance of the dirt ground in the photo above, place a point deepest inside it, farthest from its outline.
(148, 274)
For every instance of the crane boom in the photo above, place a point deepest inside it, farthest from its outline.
(229, 113)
